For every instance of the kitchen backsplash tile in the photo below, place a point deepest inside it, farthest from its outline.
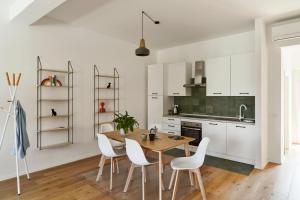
(199, 103)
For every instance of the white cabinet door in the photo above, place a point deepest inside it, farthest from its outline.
(241, 141)
(216, 132)
(155, 79)
(218, 76)
(242, 75)
(155, 110)
(178, 74)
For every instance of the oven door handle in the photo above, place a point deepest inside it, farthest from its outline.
(190, 128)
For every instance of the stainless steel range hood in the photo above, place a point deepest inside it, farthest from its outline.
(199, 80)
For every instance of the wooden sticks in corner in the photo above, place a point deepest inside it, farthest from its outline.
(14, 82)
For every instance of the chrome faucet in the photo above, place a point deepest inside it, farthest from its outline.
(242, 115)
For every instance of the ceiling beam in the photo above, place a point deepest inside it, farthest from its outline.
(30, 11)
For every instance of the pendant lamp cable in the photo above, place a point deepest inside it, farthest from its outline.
(143, 24)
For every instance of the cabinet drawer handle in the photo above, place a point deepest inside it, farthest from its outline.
(154, 97)
(240, 126)
(154, 93)
(217, 93)
(213, 124)
(171, 119)
(171, 126)
(171, 132)
(175, 92)
(244, 92)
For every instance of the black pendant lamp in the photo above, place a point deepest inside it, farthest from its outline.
(142, 50)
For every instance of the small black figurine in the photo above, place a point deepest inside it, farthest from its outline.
(54, 80)
(53, 112)
(108, 85)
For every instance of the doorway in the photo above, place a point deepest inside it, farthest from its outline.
(291, 69)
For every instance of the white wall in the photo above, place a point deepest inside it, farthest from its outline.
(56, 43)
(261, 100)
(276, 101)
(223, 46)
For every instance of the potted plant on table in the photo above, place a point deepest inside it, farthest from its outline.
(125, 123)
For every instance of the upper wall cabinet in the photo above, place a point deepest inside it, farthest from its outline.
(178, 74)
(218, 76)
(155, 79)
(242, 75)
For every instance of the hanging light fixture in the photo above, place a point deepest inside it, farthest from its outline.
(142, 50)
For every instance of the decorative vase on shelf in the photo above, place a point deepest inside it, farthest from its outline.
(102, 109)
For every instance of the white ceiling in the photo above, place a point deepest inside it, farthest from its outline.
(182, 21)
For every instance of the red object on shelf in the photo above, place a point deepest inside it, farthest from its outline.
(102, 109)
(48, 82)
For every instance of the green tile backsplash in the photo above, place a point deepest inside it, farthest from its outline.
(228, 106)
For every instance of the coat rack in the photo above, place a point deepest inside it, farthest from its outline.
(11, 113)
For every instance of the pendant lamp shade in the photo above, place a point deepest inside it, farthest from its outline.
(142, 50)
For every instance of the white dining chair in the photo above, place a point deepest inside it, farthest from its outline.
(109, 152)
(137, 157)
(192, 164)
(107, 127)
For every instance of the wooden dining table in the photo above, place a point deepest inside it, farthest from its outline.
(162, 143)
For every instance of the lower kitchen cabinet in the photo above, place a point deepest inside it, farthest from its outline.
(241, 141)
(216, 132)
(171, 125)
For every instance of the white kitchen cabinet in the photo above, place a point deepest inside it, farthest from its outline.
(178, 74)
(216, 132)
(171, 120)
(155, 109)
(155, 79)
(243, 75)
(171, 125)
(218, 76)
(241, 141)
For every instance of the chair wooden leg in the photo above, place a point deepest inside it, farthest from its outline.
(201, 185)
(113, 165)
(175, 185)
(196, 183)
(143, 182)
(145, 175)
(129, 177)
(101, 165)
(100, 160)
(172, 179)
(117, 164)
(111, 172)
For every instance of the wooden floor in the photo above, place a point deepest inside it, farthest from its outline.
(77, 181)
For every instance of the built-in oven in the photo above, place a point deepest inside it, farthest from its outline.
(192, 129)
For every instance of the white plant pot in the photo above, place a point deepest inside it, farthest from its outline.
(122, 132)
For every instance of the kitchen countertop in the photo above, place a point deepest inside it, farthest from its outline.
(212, 118)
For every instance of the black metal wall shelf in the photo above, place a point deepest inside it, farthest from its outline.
(40, 100)
(99, 96)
